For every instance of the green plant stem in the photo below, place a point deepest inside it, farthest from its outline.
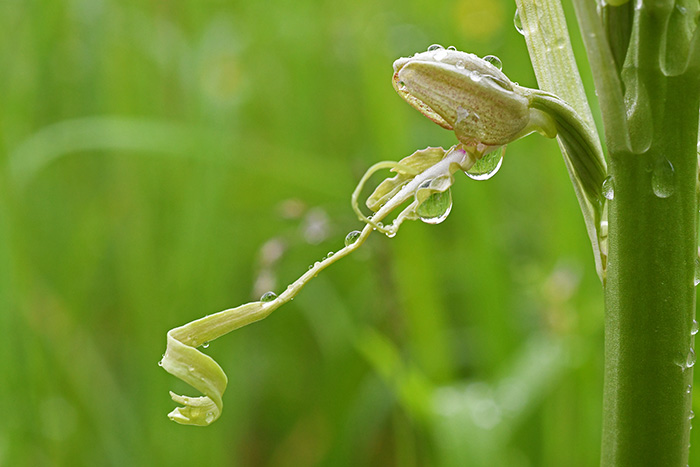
(650, 296)
(651, 123)
(649, 293)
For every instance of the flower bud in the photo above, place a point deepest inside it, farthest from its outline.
(462, 92)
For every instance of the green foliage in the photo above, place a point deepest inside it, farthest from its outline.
(166, 160)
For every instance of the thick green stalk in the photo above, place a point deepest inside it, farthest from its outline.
(649, 96)
(650, 294)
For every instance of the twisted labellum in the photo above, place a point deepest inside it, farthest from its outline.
(460, 92)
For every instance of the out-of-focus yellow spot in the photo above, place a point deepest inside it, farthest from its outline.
(479, 19)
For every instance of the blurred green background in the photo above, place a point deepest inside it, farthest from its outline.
(167, 159)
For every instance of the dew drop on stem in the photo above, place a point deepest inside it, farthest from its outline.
(694, 328)
(690, 359)
(352, 237)
(268, 297)
(662, 178)
(608, 188)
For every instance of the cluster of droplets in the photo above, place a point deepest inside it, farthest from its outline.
(440, 53)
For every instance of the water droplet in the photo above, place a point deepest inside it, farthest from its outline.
(518, 22)
(160, 363)
(402, 85)
(204, 345)
(690, 359)
(662, 179)
(476, 77)
(452, 48)
(317, 263)
(689, 389)
(352, 237)
(268, 297)
(311, 266)
(609, 187)
(495, 61)
(435, 47)
(692, 415)
(436, 208)
(487, 166)
(460, 64)
(694, 328)
(209, 417)
(440, 54)
(330, 253)
(697, 271)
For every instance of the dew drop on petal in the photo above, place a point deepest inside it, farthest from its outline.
(352, 237)
(518, 23)
(435, 47)
(495, 61)
(440, 54)
(460, 64)
(204, 345)
(268, 297)
(452, 48)
(487, 166)
(436, 207)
